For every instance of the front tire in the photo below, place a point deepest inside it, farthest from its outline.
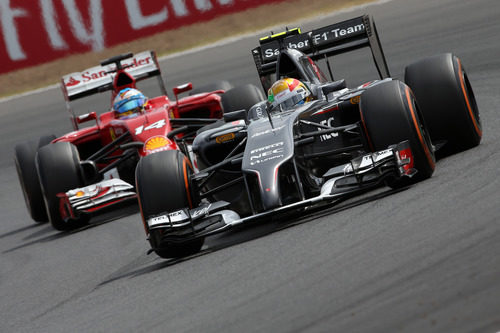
(448, 105)
(24, 159)
(163, 182)
(390, 115)
(58, 167)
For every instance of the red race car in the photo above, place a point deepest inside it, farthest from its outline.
(65, 180)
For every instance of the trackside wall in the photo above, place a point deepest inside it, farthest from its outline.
(38, 31)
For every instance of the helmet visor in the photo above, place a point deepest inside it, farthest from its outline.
(130, 104)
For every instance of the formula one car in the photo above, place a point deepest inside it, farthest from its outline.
(274, 159)
(85, 172)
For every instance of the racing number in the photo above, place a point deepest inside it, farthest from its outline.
(158, 124)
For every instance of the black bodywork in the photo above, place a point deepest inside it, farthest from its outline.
(263, 162)
(280, 157)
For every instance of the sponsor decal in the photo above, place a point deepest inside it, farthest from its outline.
(267, 153)
(89, 76)
(382, 154)
(156, 144)
(72, 82)
(273, 52)
(112, 133)
(348, 169)
(259, 112)
(174, 218)
(201, 211)
(97, 73)
(318, 37)
(366, 161)
(406, 156)
(271, 130)
(355, 99)
(327, 122)
(338, 31)
(61, 28)
(225, 137)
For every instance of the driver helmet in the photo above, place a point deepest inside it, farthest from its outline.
(128, 103)
(288, 92)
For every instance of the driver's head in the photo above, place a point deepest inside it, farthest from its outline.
(286, 93)
(128, 103)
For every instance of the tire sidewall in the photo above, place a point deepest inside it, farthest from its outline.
(390, 115)
(58, 167)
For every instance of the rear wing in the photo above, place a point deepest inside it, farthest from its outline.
(321, 43)
(100, 78)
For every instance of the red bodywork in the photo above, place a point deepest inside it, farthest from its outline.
(153, 122)
(107, 143)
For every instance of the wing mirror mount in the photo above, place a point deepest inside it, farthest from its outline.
(86, 117)
(182, 88)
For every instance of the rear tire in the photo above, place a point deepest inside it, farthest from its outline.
(390, 115)
(448, 105)
(164, 185)
(58, 167)
(45, 140)
(219, 85)
(242, 97)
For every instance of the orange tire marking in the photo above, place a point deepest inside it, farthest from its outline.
(186, 181)
(421, 139)
(460, 75)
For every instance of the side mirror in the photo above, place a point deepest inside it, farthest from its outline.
(182, 88)
(334, 86)
(86, 117)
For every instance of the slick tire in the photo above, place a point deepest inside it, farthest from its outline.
(218, 85)
(24, 159)
(239, 98)
(390, 114)
(163, 182)
(242, 97)
(58, 167)
(446, 99)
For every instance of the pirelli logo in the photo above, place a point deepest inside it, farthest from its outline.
(224, 138)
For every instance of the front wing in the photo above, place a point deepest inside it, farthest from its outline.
(94, 198)
(361, 174)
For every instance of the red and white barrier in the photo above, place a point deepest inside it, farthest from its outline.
(38, 31)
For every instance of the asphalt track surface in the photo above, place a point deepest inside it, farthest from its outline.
(425, 259)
